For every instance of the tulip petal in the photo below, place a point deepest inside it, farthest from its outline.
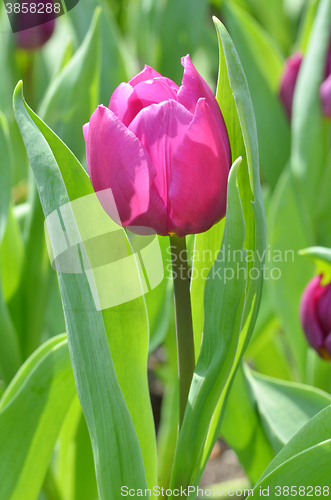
(289, 79)
(309, 320)
(161, 128)
(327, 345)
(146, 74)
(86, 129)
(199, 173)
(192, 89)
(117, 160)
(125, 104)
(323, 308)
(156, 91)
(325, 93)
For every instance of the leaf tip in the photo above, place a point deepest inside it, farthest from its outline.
(18, 91)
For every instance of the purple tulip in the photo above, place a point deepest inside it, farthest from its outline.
(315, 314)
(164, 152)
(287, 86)
(325, 94)
(33, 29)
(325, 89)
(289, 78)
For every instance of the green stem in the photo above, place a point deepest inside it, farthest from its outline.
(183, 314)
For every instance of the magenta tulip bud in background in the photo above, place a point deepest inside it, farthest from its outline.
(32, 38)
(325, 93)
(325, 89)
(289, 79)
(287, 86)
(315, 314)
(164, 152)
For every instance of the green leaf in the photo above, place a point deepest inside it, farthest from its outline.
(159, 301)
(117, 455)
(218, 350)
(306, 25)
(241, 427)
(221, 352)
(285, 407)
(68, 104)
(262, 64)
(180, 28)
(304, 460)
(32, 412)
(73, 95)
(11, 260)
(206, 249)
(5, 173)
(12, 257)
(309, 131)
(117, 63)
(289, 234)
(234, 99)
(73, 463)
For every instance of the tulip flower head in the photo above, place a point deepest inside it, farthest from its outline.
(287, 86)
(289, 79)
(164, 152)
(315, 315)
(325, 89)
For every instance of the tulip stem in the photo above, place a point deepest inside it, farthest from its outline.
(183, 316)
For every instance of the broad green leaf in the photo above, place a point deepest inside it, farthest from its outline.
(117, 455)
(68, 104)
(5, 173)
(194, 448)
(306, 25)
(285, 407)
(307, 470)
(159, 301)
(241, 427)
(273, 357)
(304, 460)
(10, 353)
(73, 95)
(11, 257)
(73, 464)
(117, 63)
(221, 334)
(309, 137)
(262, 64)
(323, 207)
(206, 249)
(180, 28)
(316, 431)
(267, 55)
(288, 235)
(28, 309)
(11, 252)
(234, 99)
(32, 412)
